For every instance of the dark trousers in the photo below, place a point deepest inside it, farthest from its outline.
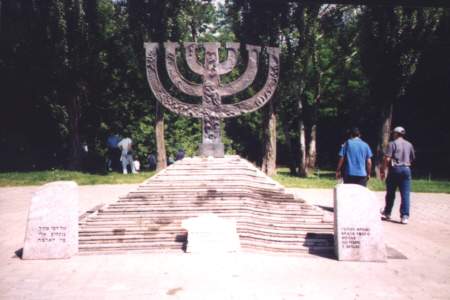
(398, 177)
(361, 180)
(114, 159)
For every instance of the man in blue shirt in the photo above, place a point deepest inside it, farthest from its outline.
(356, 155)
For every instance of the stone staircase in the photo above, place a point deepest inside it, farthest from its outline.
(268, 218)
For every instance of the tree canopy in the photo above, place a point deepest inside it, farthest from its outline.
(72, 72)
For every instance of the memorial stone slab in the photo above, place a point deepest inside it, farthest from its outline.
(210, 234)
(357, 224)
(52, 226)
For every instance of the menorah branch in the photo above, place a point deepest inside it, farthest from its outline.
(246, 79)
(175, 76)
(264, 95)
(169, 102)
(228, 65)
(191, 57)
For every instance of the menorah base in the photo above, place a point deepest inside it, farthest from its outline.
(214, 150)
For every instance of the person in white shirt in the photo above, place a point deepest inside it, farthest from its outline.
(126, 156)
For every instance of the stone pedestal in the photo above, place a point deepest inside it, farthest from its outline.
(52, 226)
(210, 234)
(214, 150)
(358, 231)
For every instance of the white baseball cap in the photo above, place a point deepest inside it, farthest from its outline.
(400, 130)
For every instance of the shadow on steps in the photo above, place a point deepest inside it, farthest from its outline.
(320, 244)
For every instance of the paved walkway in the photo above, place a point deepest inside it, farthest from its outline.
(424, 275)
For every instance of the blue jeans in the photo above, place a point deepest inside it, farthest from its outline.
(127, 160)
(398, 177)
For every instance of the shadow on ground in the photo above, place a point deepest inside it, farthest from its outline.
(18, 253)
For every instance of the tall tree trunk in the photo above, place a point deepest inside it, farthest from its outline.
(161, 161)
(193, 33)
(312, 147)
(312, 143)
(383, 135)
(74, 111)
(292, 166)
(302, 167)
(270, 140)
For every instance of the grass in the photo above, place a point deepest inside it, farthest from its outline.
(326, 179)
(41, 177)
(322, 179)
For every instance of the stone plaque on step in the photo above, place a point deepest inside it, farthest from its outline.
(210, 234)
(52, 226)
(358, 231)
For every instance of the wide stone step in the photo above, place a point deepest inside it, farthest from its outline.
(213, 172)
(106, 226)
(167, 218)
(213, 196)
(172, 242)
(282, 211)
(182, 206)
(119, 228)
(179, 235)
(213, 193)
(192, 177)
(209, 181)
(171, 187)
(280, 249)
(179, 246)
(141, 229)
(204, 208)
(123, 247)
(177, 206)
(204, 200)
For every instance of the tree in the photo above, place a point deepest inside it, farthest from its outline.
(392, 40)
(73, 71)
(299, 65)
(261, 23)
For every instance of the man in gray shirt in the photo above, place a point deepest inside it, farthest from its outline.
(398, 157)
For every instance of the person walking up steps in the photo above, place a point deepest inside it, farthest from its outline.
(397, 159)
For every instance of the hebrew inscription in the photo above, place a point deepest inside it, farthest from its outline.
(49, 234)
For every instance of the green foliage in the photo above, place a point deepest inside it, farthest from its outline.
(182, 133)
(73, 71)
(396, 36)
(195, 19)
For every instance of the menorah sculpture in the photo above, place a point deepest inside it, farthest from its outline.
(211, 110)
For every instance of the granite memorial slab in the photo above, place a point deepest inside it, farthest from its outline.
(357, 224)
(209, 233)
(52, 225)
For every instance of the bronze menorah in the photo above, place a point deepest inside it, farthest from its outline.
(211, 110)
